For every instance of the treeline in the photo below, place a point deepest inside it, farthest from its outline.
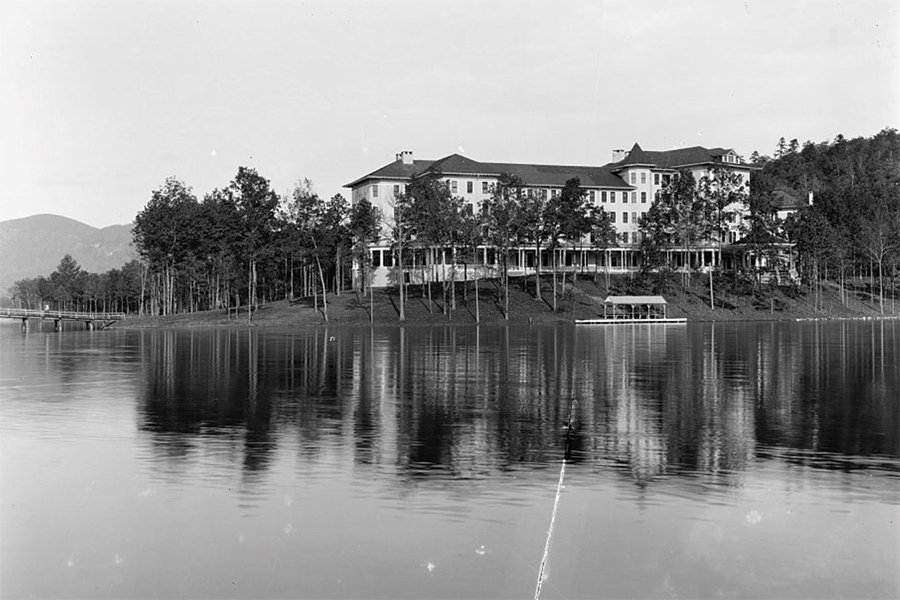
(70, 287)
(852, 228)
(244, 244)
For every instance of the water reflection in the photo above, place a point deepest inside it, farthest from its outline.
(467, 403)
(755, 460)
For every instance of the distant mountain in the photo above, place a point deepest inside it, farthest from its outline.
(34, 245)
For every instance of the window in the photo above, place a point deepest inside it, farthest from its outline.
(643, 178)
(375, 190)
(625, 237)
(624, 197)
(376, 258)
(468, 209)
(484, 187)
(593, 196)
(543, 194)
(634, 217)
(643, 197)
(633, 178)
(397, 190)
(666, 179)
(656, 178)
(470, 187)
(612, 217)
(624, 217)
(388, 259)
(633, 197)
(555, 194)
(453, 186)
(603, 196)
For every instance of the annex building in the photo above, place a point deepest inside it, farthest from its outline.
(624, 188)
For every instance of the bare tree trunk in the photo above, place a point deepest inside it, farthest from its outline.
(506, 285)
(430, 258)
(554, 260)
(477, 314)
(402, 282)
(324, 289)
(371, 304)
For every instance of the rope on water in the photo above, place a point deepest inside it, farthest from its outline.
(559, 486)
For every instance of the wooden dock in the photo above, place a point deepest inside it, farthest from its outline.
(90, 319)
(629, 320)
(623, 310)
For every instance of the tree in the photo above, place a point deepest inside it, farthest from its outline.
(504, 217)
(603, 235)
(878, 236)
(567, 218)
(401, 232)
(781, 148)
(67, 283)
(724, 194)
(306, 216)
(763, 232)
(433, 214)
(678, 217)
(815, 240)
(471, 236)
(365, 227)
(532, 207)
(163, 234)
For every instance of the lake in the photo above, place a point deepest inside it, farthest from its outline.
(748, 460)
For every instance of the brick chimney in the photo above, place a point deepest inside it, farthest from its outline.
(619, 155)
(405, 156)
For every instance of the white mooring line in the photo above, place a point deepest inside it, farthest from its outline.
(559, 486)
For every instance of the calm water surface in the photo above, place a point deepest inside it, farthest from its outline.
(745, 460)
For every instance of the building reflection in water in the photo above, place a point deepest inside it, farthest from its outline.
(471, 402)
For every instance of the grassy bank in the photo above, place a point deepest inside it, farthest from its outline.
(735, 301)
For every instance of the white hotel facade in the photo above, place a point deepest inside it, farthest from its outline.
(624, 188)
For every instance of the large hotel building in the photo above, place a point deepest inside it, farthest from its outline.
(624, 188)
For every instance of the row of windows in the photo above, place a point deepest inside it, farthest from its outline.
(656, 178)
(634, 218)
(485, 189)
(612, 197)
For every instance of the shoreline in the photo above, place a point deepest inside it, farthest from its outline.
(582, 301)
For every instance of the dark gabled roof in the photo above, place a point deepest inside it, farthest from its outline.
(558, 175)
(786, 201)
(673, 159)
(532, 175)
(395, 170)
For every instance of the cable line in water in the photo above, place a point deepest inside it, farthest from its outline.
(542, 572)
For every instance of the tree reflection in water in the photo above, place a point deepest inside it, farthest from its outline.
(472, 402)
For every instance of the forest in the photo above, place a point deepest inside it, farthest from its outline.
(244, 244)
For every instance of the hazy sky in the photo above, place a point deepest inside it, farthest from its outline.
(101, 101)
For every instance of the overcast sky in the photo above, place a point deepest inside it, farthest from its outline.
(101, 101)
